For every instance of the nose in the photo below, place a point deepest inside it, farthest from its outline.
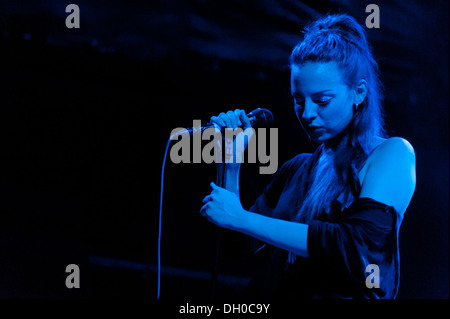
(309, 111)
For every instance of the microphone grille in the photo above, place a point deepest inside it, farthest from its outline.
(262, 117)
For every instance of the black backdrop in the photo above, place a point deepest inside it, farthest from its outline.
(85, 115)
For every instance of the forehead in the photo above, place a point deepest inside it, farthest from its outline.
(312, 77)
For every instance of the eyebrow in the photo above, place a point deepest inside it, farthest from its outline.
(324, 91)
(314, 94)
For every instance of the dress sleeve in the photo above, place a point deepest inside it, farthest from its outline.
(363, 234)
(268, 200)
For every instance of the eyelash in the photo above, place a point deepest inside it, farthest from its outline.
(324, 103)
(320, 103)
(299, 103)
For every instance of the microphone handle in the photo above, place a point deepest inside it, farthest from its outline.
(195, 130)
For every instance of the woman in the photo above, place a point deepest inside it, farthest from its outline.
(331, 218)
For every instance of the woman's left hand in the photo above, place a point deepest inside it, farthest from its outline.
(222, 208)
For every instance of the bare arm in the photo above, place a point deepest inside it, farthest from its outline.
(391, 175)
(229, 172)
(230, 175)
(390, 179)
(223, 208)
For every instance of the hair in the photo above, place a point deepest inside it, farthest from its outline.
(339, 38)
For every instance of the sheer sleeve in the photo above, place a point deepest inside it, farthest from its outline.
(364, 234)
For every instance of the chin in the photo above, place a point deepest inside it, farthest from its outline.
(320, 138)
(327, 139)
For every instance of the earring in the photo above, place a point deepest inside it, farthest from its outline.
(355, 108)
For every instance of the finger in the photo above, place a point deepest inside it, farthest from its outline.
(244, 119)
(218, 121)
(204, 213)
(214, 186)
(237, 113)
(203, 210)
(206, 199)
(233, 119)
(226, 119)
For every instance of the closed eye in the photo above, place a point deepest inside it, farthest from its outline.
(323, 101)
(300, 103)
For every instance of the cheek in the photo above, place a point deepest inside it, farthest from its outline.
(299, 112)
(339, 117)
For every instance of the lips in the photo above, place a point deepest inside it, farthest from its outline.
(316, 130)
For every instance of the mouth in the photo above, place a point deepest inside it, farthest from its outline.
(316, 131)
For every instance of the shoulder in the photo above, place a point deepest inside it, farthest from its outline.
(394, 146)
(391, 173)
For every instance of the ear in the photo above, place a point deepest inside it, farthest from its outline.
(360, 91)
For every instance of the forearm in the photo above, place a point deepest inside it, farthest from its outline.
(229, 173)
(223, 208)
(276, 232)
(283, 234)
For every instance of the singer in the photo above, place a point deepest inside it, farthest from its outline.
(329, 216)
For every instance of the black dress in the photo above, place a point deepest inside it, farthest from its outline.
(341, 245)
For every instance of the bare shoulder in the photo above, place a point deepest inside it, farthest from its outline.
(391, 173)
(394, 146)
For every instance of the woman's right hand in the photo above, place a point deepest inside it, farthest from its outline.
(231, 119)
(234, 120)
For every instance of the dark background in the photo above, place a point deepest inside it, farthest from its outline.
(86, 113)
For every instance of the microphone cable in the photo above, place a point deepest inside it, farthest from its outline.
(160, 219)
(258, 116)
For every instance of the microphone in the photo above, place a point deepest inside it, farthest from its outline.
(258, 118)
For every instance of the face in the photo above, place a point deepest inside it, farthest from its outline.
(323, 102)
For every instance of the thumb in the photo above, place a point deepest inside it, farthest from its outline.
(214, 186)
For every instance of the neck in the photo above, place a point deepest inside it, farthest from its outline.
(336, 143)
